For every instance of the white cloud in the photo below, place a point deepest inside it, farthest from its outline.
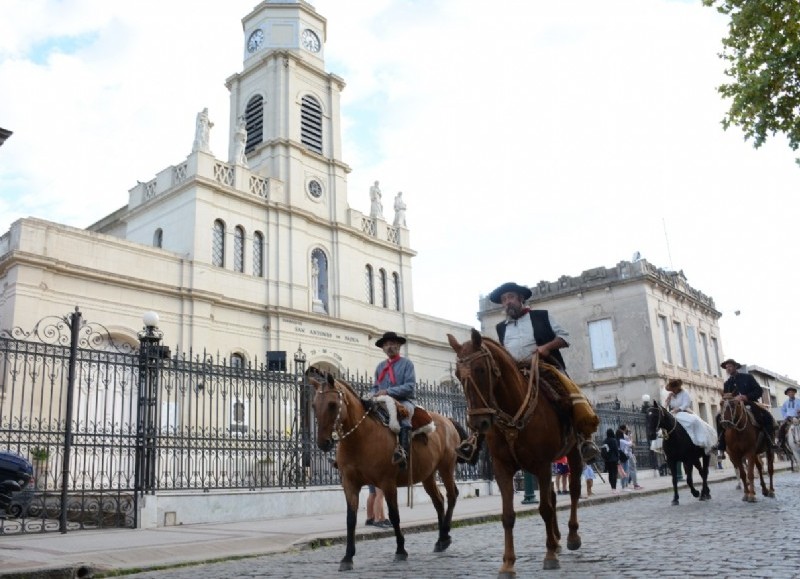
(531, 140)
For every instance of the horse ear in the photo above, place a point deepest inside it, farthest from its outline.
(451, 339)
(475, 335)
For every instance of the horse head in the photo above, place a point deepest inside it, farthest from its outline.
(329, 409)
(658, 418)
(732, 411)
(481, 365)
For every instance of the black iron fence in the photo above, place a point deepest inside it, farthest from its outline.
(614, 414)
(104, 421)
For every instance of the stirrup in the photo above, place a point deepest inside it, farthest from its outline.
(466, 450)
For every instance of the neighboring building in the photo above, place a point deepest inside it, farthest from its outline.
(632, 327)
(774, 385)
(249, 257)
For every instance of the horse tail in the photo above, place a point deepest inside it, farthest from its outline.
(463, 435)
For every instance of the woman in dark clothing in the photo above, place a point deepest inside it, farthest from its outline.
(610, 451)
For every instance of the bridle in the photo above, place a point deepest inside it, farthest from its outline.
(661, 413)
(739, 423)
(336, 432)
(509, 425)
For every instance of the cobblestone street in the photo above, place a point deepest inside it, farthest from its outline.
(642, 537)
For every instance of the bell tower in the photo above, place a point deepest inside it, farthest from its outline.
(290, 106)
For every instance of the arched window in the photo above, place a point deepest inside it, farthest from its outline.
(238, 249)
(311, 124)
(319, 281)
(158, 238)
(258, 254)
(382, 289)
(396, 291)
(237, 361)
(254, 122)
(218, 244)
(369, 284)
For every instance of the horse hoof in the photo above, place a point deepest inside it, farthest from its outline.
(675, 502)
(695, 494)
(346, 566)
(573, 544)
(441, 545)
(507, 575)
(550, 564)
(771, 494)
(399, 557)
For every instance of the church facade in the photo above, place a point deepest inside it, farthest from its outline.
(251, 257)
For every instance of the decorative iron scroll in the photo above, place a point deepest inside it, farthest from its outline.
(55, 330)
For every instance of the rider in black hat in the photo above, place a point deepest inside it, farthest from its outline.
(746, 389)
(396, 377)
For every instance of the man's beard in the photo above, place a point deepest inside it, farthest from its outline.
(513, 311)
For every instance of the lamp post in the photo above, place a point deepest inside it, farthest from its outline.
(304, 410)
(150, 354)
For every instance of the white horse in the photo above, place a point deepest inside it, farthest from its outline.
(793, 441)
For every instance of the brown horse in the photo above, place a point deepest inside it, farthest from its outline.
(745, 441)
(524, 429)
(364, 456)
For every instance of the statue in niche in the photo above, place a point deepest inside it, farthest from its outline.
(399, 211)
(239, 143)
(202, 132)
(376, 205)
(315, 278)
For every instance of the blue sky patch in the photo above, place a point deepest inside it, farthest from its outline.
(41, 51)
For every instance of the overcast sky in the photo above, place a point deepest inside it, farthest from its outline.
(531, 140)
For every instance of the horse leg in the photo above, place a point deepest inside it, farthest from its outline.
(390, 493)
(351, 495)
(705, 492)
(547, 510)
(673, 467)
(429, 484)
(750, 485)
(575, 469)
(505, 482)
(688, 467)
(770, 471)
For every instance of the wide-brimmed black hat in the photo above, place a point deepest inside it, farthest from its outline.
(390, 336)
(786, 392)
(730, 361)
(510, 286)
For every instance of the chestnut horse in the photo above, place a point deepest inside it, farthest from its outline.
(364, 456)
(745, 441)
(523, 429)
(678, 447)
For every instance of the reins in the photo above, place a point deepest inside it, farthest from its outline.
(739, 423)
(509, 425)
(661, 413)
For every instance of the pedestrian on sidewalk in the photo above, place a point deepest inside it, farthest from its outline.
(610, 453)
(633, 474)
(624, 459)
(562, 475)
(376, 516)
(588, 474)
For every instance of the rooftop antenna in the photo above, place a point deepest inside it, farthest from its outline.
(666, 237)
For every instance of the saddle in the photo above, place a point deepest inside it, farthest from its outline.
(390, 412)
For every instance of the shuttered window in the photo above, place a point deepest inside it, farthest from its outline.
(311, 124)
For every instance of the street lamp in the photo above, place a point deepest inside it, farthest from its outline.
(304, 410)
(645, 402)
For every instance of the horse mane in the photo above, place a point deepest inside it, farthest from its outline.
(504, 361)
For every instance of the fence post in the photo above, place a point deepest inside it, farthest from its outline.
(150, 355)
(74, 329)
(303, 410)
(531, 484)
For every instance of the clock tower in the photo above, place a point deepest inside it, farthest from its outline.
(290, 107)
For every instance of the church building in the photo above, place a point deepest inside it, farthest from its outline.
(253, 256)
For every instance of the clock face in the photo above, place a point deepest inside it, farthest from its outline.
(311, 41)
(255, 41)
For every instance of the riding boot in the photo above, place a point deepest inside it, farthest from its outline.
(401, 454)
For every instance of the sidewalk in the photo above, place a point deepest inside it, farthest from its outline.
(84, 553)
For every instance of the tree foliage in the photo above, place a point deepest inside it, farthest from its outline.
(762, 51)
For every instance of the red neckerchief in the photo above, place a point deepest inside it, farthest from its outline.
(388, 368)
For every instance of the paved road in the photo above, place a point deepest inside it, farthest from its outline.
(644, 537)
